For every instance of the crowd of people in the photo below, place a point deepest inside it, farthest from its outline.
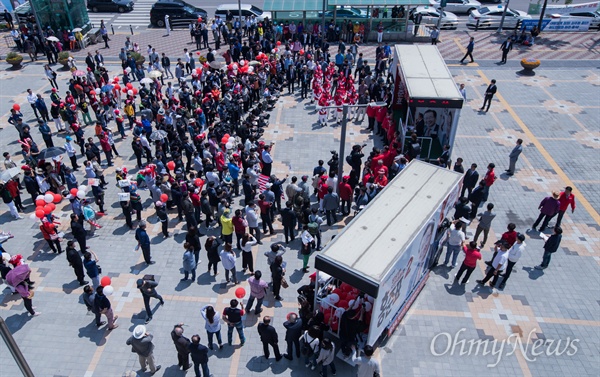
(196, 140)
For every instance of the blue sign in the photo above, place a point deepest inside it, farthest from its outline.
(529, 24)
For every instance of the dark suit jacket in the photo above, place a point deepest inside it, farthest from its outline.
(491, 90)
(181, 343)
(471, 178)
(506, 46)
(293, 330)
(267, 333)
(198, 352)
(78, 231)
(288, 217)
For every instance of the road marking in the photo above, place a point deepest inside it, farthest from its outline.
(584, 202)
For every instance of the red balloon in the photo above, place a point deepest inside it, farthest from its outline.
(105, 281)
(342, 304)
(17, 107)
(240, 292)
(198, 182)
(278, 43)
(135, 91)
(39, 213)
(47, 209)
(171, 165)
(42, 202)
(74, 191)
(124, 90)
(224, 140)
(52, 206)
(301, 52)
(116, 79)
(129, 86)
(117, 87)
(164, 198)
(57, 198)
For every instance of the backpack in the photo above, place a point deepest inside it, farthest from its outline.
(313, 228)
(305, 347)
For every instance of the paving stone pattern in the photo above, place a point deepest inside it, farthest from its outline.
(559, 303)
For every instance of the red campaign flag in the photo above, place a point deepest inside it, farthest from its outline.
(262, 182)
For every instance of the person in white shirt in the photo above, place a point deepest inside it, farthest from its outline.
(31, 98)
(498, 265)
(456, 238)
(514, 254)
(267, 160)
(71, 152)
(367, 365)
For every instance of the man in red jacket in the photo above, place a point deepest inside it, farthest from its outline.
(371, 112)
(565, 199)
(346, 195)
(379, 117)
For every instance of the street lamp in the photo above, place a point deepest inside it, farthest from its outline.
(344, 128)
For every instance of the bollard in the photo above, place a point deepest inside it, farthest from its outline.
(131, 29)
(477, 25)
(113, 29)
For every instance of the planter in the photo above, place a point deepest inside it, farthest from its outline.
(15, 62)
(530, 64)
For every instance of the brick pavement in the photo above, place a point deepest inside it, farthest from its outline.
(555, 304)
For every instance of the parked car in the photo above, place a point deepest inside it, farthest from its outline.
(247, 11)
(490, 17)
(430, 16)
(457, 6)
(120, 6)
(346, 12)
(594, 18)
(180, 13)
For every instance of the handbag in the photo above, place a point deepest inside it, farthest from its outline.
(99, 269)
(284, 283)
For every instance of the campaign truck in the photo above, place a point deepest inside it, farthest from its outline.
(381, 260)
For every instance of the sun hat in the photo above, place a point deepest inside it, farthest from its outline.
(139, 331)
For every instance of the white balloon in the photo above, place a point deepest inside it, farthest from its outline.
(242, 62)
(229, 145)
(128, 70)
(250, 69)
(32, 217)
(39, 197)
(130, 92)
(80, 194)
(108, 290)
(98, 91)
(48, 198)
(334, 298)
(368, 306)
(82, 188)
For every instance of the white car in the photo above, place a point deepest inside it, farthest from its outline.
(430, 16)
(247, 11)
(457, 6)
(490, 17)
(594, 18)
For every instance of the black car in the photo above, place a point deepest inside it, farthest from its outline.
(180, 13)
(120, 6)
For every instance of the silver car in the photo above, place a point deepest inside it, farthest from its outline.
(490, 17)
(457, 6)
(430, 16)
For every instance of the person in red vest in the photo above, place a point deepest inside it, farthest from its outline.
(346, 195)
(565, 199)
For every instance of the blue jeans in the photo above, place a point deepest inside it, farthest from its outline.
(240, 330)
(259, 302)
(205, 371)
(546, 259)
(454, 250)
(209, 335)
(310, 358)
(324, 369)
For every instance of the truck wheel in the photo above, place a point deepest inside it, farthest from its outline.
(160, 23)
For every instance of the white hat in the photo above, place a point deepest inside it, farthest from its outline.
(268, 185)
(139, 331)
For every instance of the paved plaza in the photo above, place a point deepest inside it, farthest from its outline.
(556, 113)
